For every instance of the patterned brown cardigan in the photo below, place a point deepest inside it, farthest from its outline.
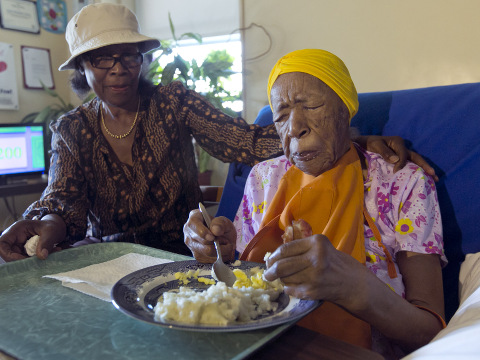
(147, 203)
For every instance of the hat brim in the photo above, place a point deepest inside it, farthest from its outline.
(145, 44)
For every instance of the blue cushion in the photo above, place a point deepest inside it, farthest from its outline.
(373, 112)
(441, 124)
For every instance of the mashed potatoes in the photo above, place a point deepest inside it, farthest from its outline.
(250, 297)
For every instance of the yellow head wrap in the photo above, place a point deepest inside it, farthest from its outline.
(324, 66)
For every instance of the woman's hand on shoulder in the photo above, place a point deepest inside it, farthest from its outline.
(199, 238)
(393, 150)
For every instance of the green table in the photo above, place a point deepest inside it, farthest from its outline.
(41, 319)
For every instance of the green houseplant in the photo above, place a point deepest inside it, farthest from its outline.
(211, 72)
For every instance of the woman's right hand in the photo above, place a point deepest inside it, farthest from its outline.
(199, 238)
(311, 268)
(51, 229)
(394, 151)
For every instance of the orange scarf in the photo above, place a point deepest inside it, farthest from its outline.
(332, 203)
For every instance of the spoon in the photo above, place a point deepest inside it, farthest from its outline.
(221, 271)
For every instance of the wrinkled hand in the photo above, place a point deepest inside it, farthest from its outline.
(393, 150)
(12, 240)
(199, 239)
(311, 268)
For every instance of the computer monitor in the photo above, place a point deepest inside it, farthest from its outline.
(23, 150)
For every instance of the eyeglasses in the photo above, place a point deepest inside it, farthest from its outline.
(107, 62)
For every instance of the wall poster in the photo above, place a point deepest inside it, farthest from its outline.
(8, 82)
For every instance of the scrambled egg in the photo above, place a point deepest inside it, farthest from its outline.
(237, 263)
(184, 278)
(254, 280)
(207, 281)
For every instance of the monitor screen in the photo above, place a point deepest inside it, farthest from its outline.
(22, 149)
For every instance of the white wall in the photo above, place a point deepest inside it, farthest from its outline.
(206, 17)
(387, 45)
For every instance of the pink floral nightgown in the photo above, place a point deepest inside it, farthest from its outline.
(404, 206)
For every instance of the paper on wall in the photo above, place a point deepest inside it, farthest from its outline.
(8, 82)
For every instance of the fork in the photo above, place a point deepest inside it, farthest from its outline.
(221, 271)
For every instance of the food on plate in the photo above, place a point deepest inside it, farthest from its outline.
(184, 277)
(250, 297)
(207, 281)
(237, 263)
(254, 280)
(298, 230)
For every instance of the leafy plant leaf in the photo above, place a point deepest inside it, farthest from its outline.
(168, 72)
(172, 28)
(29, 118)
(191, 35)
(182, 66)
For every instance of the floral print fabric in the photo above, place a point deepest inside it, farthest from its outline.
(404, 206)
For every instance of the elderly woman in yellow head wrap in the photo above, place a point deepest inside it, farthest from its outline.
(376, 252)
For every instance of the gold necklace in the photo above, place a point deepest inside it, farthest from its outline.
(128, 132)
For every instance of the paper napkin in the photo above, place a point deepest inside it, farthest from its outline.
(97, 280)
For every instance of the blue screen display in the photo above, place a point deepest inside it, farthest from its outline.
(22, 149)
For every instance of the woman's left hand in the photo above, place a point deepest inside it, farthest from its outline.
(393, 150)
(311, 268)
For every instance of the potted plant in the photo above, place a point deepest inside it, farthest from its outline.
(214, 69)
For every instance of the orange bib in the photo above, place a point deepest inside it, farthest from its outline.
(332, 203)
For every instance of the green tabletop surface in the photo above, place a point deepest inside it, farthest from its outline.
(41, 319)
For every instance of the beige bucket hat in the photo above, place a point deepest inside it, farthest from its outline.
(100, 25)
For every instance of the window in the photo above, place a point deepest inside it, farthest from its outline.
(191, 49)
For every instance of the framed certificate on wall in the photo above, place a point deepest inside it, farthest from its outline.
(19, 15)
(37, 68)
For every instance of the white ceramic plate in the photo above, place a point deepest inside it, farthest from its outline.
(137, 293)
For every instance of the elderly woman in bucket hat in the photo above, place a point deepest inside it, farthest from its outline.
(123, 165)
(339, 223)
